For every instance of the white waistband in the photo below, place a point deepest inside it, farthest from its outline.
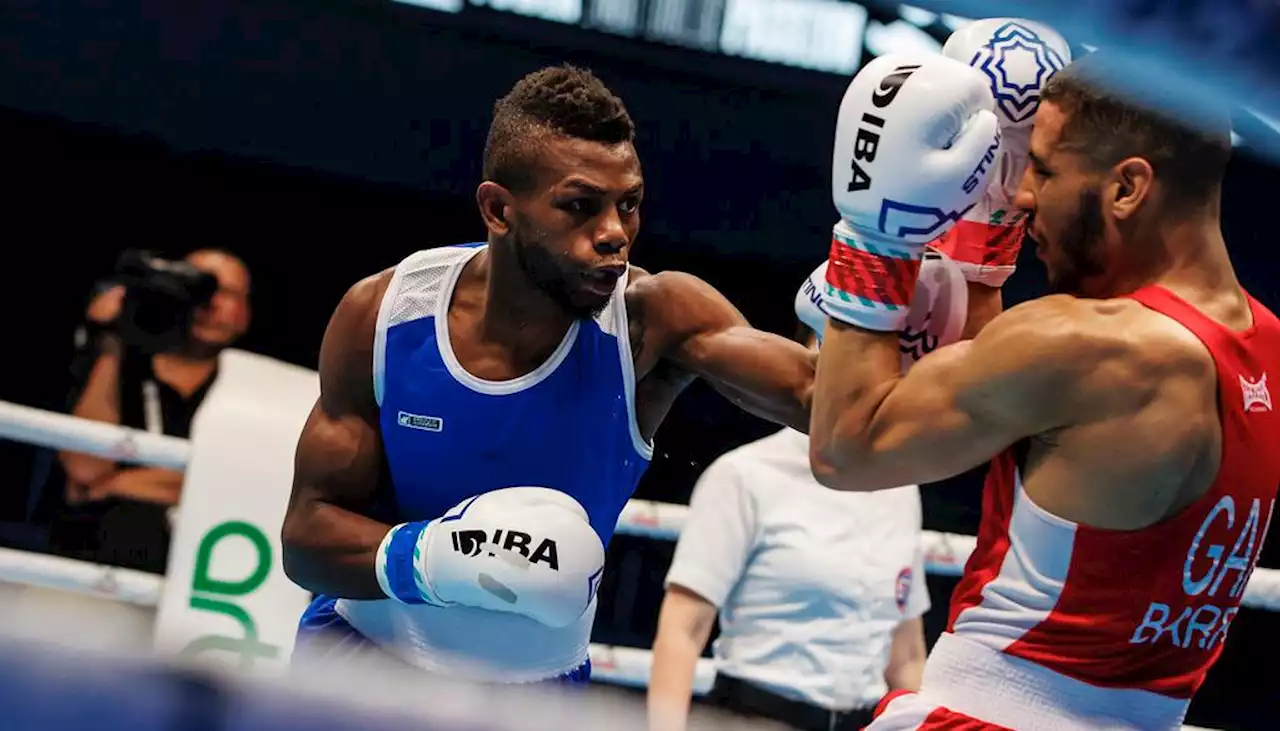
(470, 643)
(995, 687)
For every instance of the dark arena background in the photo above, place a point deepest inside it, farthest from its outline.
(324, 140)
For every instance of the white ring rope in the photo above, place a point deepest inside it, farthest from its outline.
(945, 553)
(119, 443)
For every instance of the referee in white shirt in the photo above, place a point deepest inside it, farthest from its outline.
(819, 593)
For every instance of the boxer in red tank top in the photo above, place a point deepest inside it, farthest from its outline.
(1128, 420)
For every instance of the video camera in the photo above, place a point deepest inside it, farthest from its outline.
(160, 300)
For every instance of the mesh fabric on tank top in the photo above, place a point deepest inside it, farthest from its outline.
(419, 293)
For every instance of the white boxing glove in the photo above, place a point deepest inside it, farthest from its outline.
(936, 318)
(524, 550)
(916, 139)
(1017, 57)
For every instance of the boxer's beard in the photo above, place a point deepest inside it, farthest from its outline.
(1081, 247)
(548, 273)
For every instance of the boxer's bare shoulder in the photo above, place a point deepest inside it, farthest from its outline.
(1140, 438)
(1115, 354)
(346, 351)
(681, 327)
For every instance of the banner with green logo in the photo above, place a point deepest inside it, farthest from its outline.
(226, 597)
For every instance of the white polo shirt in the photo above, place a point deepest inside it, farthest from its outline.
(810, 582)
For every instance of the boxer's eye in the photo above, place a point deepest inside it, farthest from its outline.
(580, 206)
(629, 204)
(1038, 168)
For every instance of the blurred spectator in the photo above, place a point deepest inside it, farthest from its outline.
(118, 514)
(820, 594)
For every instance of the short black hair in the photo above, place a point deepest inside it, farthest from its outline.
(1108, 123)
(559, 100)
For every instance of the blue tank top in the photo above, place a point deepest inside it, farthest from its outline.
(447, 435)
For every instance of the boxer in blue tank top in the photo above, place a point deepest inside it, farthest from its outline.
(487, 410)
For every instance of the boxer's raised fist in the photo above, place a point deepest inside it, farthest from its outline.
(916, 140)
(1017, 57)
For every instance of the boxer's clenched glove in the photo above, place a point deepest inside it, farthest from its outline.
(916, 140)
(524, 550)
(1017, 57)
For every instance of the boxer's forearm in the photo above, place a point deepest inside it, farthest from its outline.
(332, 551)
(700, 332)
(787, 404)
(857, 370)
(766, 375)
(876, 428)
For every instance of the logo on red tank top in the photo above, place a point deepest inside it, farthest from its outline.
(1214, 575)
(1256, 395)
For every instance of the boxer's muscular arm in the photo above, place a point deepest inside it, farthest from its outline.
(329, 547)
(686, 322)
(1046, 364)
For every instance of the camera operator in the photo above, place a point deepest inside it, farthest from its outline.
(154, 333)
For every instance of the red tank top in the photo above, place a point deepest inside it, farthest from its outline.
(1147, 609)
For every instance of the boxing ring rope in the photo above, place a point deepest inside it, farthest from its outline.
(945, 553)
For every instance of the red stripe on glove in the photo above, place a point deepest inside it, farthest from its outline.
(878, 278)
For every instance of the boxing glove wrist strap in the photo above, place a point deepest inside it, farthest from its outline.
(398, 567)
(987, 253)
(870, 282)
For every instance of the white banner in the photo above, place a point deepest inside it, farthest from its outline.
(226, 597)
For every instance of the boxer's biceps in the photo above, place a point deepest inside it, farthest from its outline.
(338, 459)
(339, 453)
(328, 545)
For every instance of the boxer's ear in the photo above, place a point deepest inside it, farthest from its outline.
(495, 203)
(1131, 184)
